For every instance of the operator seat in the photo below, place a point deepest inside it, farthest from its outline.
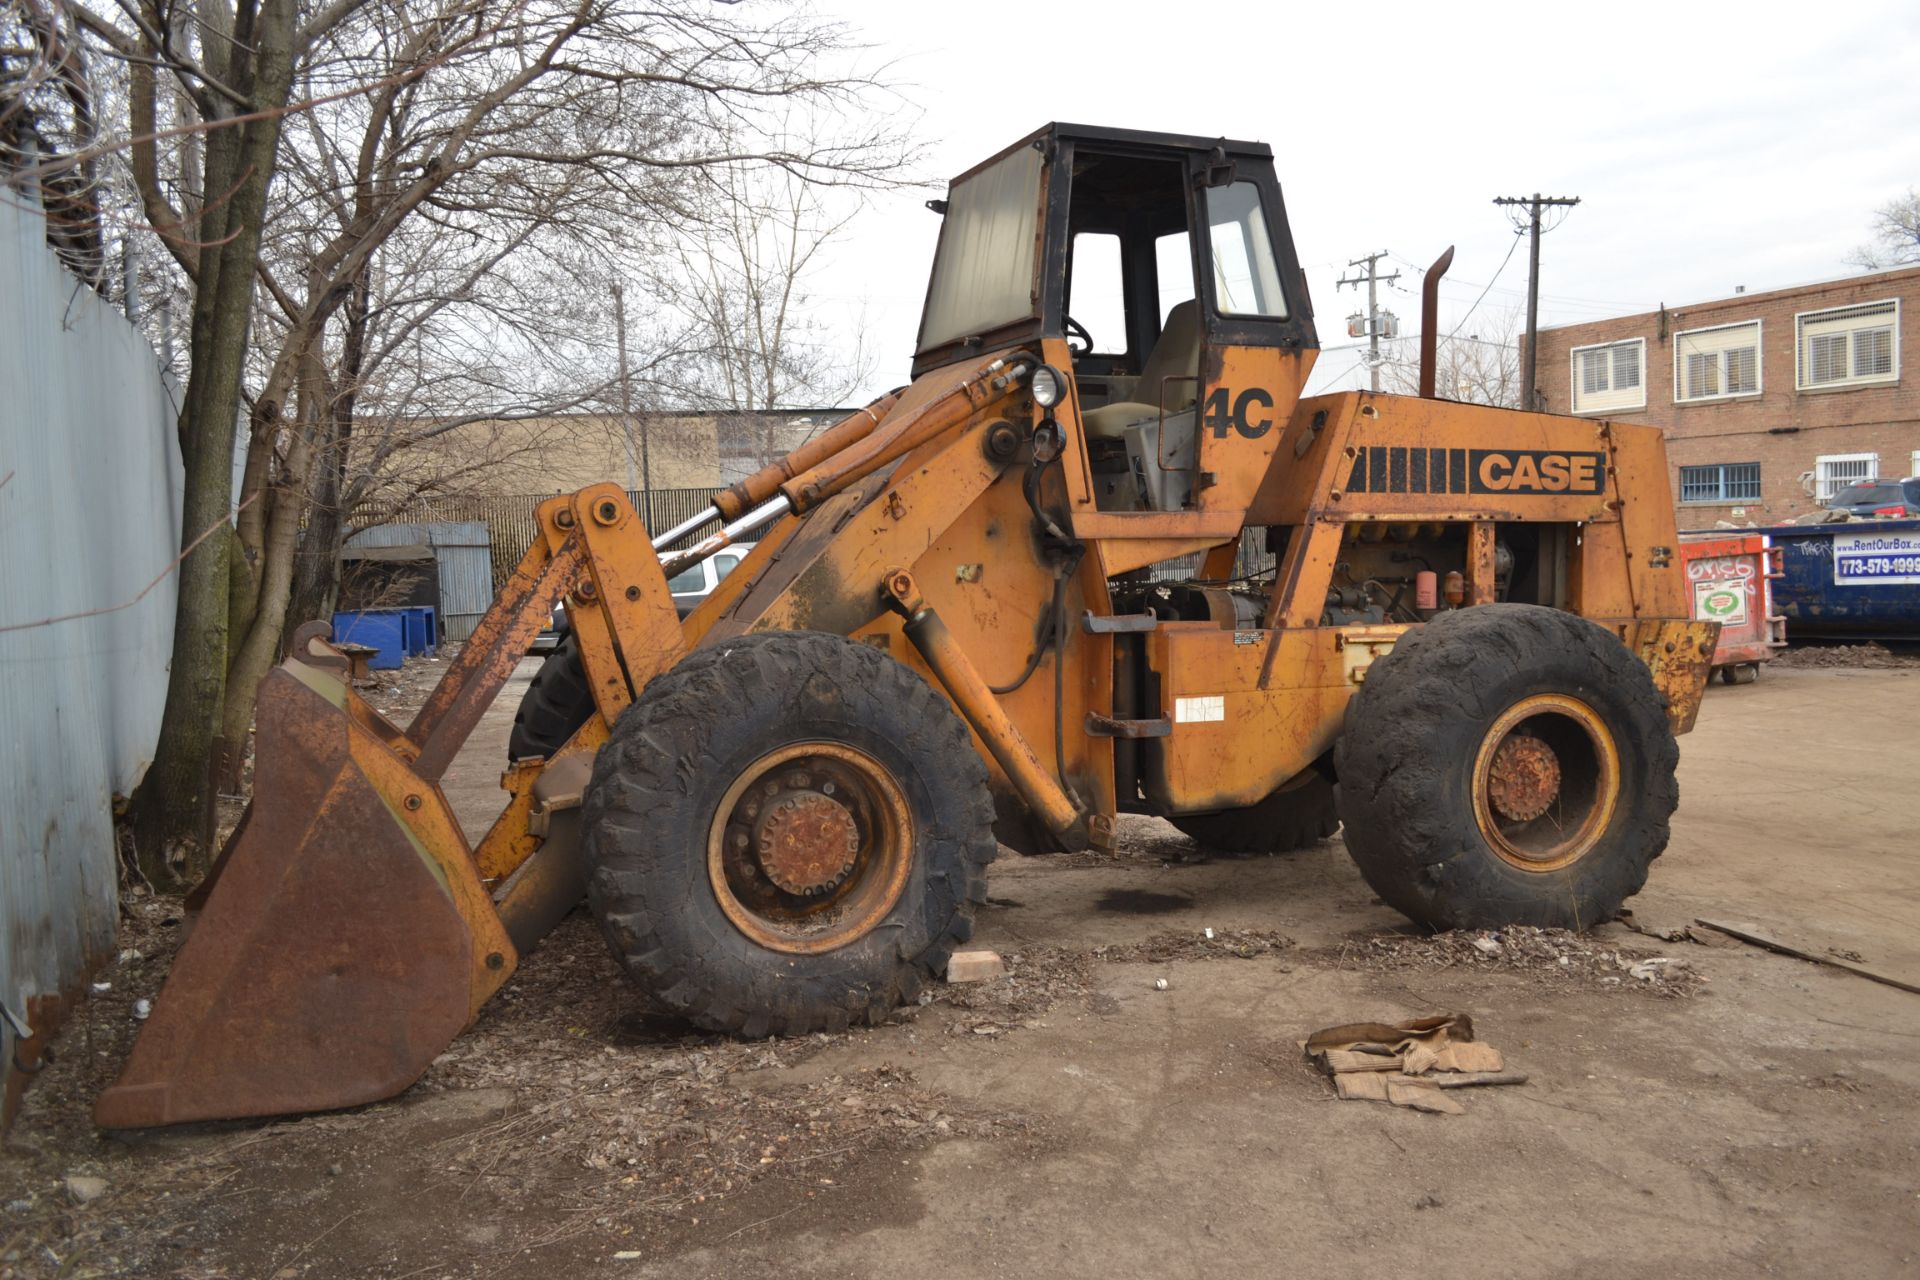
(1175, 355)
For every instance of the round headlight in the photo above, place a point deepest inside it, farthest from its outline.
(1049, 386)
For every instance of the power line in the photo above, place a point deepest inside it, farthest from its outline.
(1352, 368)
(1489, 289)
(1534, 204)
(1355, 346)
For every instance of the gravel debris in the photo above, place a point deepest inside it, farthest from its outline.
(1869, 656)
(1547, 955)
(1206, 944)
(565, 1083)
(1040, 977)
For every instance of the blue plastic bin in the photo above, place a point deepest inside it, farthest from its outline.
(423, 630)
(379, 629)
(419, 622)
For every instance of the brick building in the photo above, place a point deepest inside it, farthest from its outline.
(1770, 401)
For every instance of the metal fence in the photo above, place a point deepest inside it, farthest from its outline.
(512, 524)
(90, 486)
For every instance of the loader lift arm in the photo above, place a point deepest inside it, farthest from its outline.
(348, 931)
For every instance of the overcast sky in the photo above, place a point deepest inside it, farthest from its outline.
(1712, 145)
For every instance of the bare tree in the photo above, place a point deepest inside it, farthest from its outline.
(1896, 235)
(570, 140)
(233, 62)
(1482, 367)
(48, 109)
(431, 145)
(737, 282)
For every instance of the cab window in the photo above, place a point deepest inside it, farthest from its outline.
(983, 270)
(1173, 262)
(1094, 296)
(1246, 280)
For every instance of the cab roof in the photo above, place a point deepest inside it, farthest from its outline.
(1129, 138)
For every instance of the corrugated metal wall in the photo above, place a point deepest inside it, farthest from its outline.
(462, 558)
(90, 486)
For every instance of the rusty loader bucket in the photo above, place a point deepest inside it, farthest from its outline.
(349, 932)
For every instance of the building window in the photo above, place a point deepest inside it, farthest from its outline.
(1835, 471)
(1716, 363)
(1847, 346)
(1609, 377)
(1721, 482)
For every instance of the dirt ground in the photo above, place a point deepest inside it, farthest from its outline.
(1739, 1113)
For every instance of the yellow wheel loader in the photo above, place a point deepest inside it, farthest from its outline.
(965, 626)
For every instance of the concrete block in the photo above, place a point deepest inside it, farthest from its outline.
(975, 966)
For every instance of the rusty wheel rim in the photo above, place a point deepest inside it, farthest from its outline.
(810, 848)
(1546, 781)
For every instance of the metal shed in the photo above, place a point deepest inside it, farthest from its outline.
(462, 553)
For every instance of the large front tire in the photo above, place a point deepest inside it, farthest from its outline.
(1507, 764)
(787, 833)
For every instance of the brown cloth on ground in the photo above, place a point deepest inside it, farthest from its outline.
(1407, 1064)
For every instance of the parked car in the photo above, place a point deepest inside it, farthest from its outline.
(1893, 498)
(692, 585)
(549, 640)
(689, 587)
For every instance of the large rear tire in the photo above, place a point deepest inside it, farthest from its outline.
(1507, 764)
(787, 833)
(1297, 818)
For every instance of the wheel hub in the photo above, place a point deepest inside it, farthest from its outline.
(1524, 779)
(811, 847)
(806, 842)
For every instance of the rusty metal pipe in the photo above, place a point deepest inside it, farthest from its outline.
(1044, 795)
(752, 522)
(836, 471)
(996, 378)
(736, 500)
(1430, 320)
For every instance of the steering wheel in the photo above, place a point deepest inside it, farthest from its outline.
(1077, 330)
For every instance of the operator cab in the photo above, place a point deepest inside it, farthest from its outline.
(1136, 254)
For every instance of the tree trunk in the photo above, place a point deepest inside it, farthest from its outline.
(259, 643)
(316, 564)
(173, 807)
(316, 570)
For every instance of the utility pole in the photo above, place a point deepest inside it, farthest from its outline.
(1534, 203)
(626, 413)
(1373, 279)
